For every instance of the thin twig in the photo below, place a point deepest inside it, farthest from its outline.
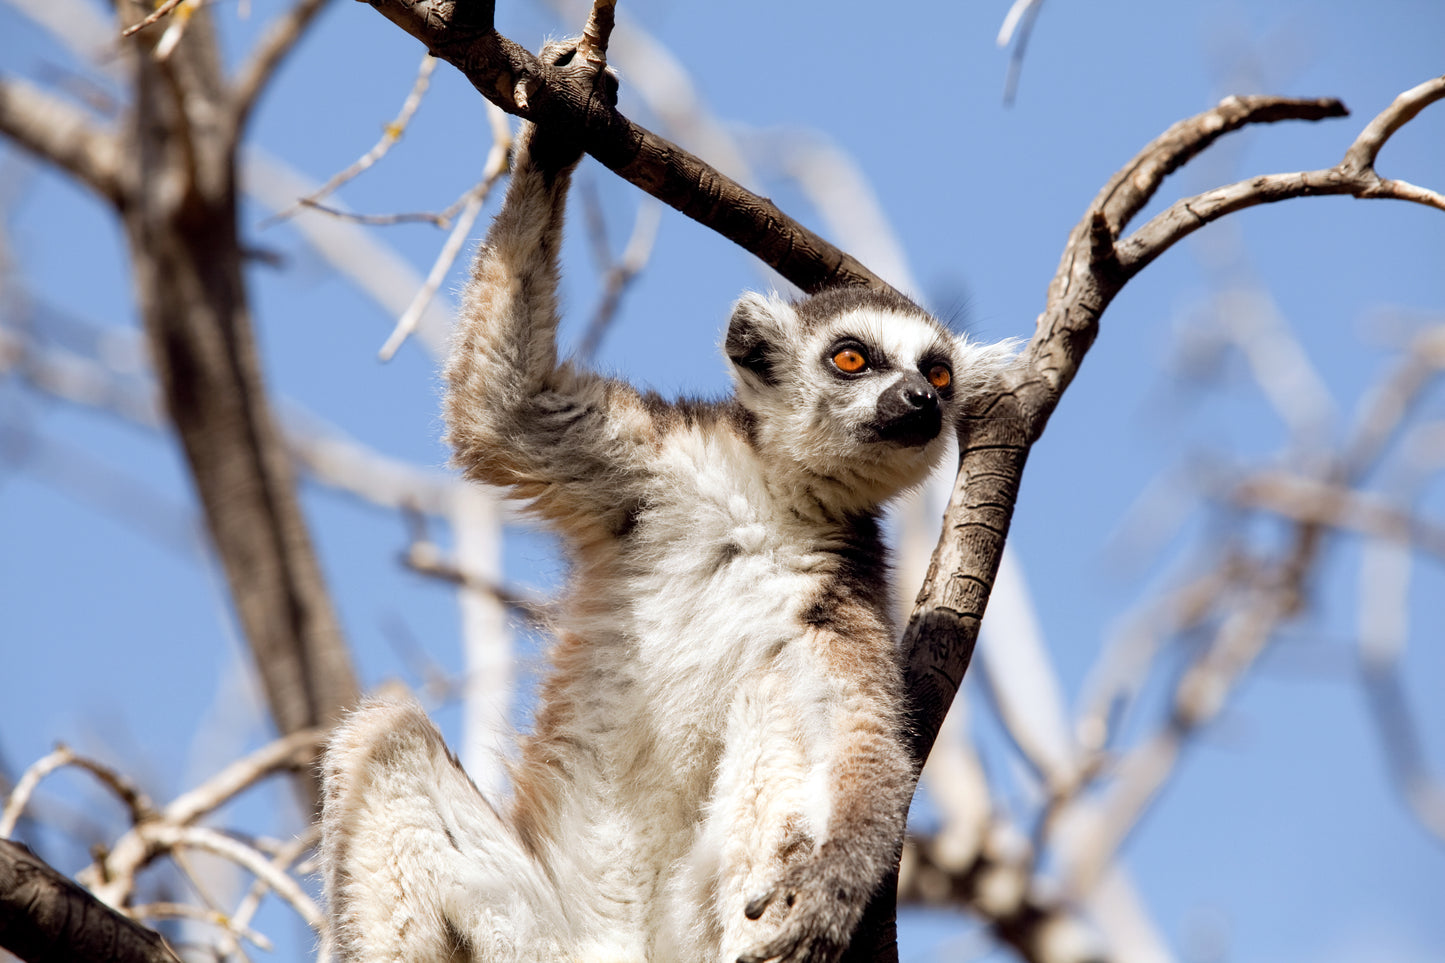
(390, 135)
(165, 836)
(620, 274)
(283, 861)
(442, 219)
(152, 911)
(112, 876)
(136, 802)
(25, 786)
(276, 43)
(498, 161)
(175, 29)
(159, 12)
(423, 558)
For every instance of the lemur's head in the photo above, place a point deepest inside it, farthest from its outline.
(857, 387)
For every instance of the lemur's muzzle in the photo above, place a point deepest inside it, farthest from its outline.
(909, 412)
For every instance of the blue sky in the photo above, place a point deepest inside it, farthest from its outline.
(1281, 831)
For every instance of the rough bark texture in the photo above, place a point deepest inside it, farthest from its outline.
(45, 917)
(462, 34)
(178, 189)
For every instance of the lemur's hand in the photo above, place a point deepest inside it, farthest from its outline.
(552, 148)
(822, 901)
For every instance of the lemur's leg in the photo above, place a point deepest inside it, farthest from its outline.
(570, 440)
(418, 865)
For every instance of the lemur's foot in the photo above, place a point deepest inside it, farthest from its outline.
(554, 147)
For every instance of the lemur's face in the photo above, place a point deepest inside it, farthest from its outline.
(857, 387)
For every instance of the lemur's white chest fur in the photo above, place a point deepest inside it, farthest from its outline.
(717, 769)
(702, 610)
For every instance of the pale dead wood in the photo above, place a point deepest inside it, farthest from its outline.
(1253, 598)
(1384, 616)
(266, 56)
(498, 162)
(390, 135)
(187, 911)
(1315, 502)
(322, 451)
(284, 860)
(60, 133)
(136, 802)
(618, 274)
(112, 876)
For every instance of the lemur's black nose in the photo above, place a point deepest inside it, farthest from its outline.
(919, 396)
(909, 412)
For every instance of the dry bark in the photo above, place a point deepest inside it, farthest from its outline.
(45, 917)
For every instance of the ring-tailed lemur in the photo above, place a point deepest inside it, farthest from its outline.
(717, 770)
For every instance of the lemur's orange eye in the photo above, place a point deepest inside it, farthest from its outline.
(939, 376)
(850, 360)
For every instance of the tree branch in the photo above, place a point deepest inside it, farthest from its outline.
(462, 34)
(1354, 175)
(62, 134)
(279, 40)
(44, 916)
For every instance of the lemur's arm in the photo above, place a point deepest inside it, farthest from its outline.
(571, 441)
(870, 777)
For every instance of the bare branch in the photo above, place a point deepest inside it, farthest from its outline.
(283, 860)
(62, 134)
(153, 17)
(389, 136)
(201, 914)
(44, 916)
(462, 34)
(1354, 175)
(1362, 153)
(279, 40)
(1314, 502)
(497, 164)
(289, 752)
(25, 786)
(166, 836)
(442, 218)
(423, 558)
(136, 802)
(620, 273)
(329, 457)
(112, 876)
(1383, 617)
(376, 270)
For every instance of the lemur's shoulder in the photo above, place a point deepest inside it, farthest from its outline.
(671, 415)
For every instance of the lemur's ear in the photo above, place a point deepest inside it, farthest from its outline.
(757, 333)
